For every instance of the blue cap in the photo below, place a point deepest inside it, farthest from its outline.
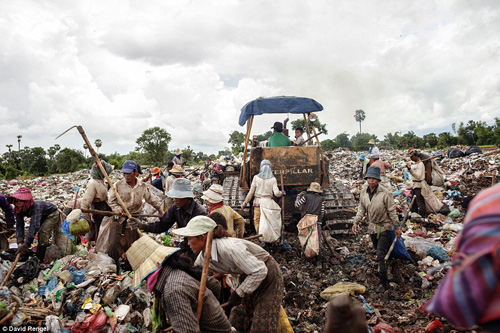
(362, 157)
(129, 166)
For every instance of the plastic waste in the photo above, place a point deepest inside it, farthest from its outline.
(111, 294)
(342, 288)
(454, 213)
(433, 326)
(26, 272)
(79, 227)
(418, 245)
(93, 323)
(66, 276)
(122, 311)
(383, 327)
(18, 319)
(78, 276)
(52, 324)
(437, 252)
(65, 229)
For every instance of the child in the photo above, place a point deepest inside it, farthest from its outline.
(299, 139)
(308, 225)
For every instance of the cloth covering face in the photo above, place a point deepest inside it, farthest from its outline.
(308, 235)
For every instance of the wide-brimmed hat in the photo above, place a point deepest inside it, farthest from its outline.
(156, 170)
(198, 225)
(373, 172)
(178, 151)
(181, 188)
(315, 187)
(177, 170)
(23, 193)
(214, 194)
(146, 256)
(371, 142)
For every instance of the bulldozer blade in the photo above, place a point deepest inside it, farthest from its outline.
(66, 131)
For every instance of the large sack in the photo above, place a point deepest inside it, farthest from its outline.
(437, 175)
(308, 235)
(270, 220)
(473, 150)
(432, 203)
(455, 153)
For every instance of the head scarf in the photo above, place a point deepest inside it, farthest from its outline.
(23, 194)
(96, 173)
(265, 170)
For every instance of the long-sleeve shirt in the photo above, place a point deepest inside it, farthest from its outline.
(175, 214)
(380, 208)
(96, 191)
(237, 256)
(314, 204)
(8, 211)
(417, 172)
(235, 222)
(132, 197)
(37, 212)
(179, 292)
(262, 188)
(177, 159)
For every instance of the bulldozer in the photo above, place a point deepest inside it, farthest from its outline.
(297, 166)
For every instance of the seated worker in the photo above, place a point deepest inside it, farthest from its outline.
(215, 202)
(278, 139)
(44, 221)
(299, 136)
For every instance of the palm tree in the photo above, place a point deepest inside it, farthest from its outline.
(57, 147)
(359, 115)
(19, 142)
(9, 146)
(85, 147)
(98, 144)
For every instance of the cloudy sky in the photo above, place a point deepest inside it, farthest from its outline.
(120, 67)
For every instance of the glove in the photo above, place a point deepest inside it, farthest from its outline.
(234, 300)
(23, 248)
(134, 223)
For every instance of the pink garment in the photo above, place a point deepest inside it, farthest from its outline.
(152, 279)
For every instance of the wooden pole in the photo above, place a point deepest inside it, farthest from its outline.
(247, 137)
(110, 213)
(204, 274)
(11, 270)
(282, 209)
(312, 137)
(307, 127)
(253, 237)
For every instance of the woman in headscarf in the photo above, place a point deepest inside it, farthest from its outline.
(44, 221)
(267, 213)
(255, 304)
(95, 197)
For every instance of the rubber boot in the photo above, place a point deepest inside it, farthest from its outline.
(384, 283)
(40, 252)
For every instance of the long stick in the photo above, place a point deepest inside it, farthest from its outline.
(11, 270)
(282, 210)
(312, 137)
(110, 213)
(253, 237)
(402, 226)
(204, 274)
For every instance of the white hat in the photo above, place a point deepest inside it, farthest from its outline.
(214, 194)
(199, 225)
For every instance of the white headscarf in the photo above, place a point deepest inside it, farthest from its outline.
(265, 171)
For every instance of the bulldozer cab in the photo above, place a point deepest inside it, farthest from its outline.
(299, 165)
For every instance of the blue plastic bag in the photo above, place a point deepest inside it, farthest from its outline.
(437, 252)
(65, 229)
(399, 251)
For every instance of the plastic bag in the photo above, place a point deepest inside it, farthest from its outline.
(437, 252)
(399, 251)
(94, 323)
(65, 229)
(26, 272)
(455, 153)
(454, 213)
(473, 150)
(342, 288)
(79, 227)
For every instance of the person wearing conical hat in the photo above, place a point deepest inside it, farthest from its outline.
(170, 274)
(373, 149)
(377, 203)
(310, 225)
(215, 202)
(44, 221)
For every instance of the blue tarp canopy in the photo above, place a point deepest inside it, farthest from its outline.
(282, 104)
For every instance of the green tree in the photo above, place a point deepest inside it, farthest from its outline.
(392, 139)
(342, 140)
(445, 139)
(317, 124)
(19, 142)
(85, 147)
(154, 142)
(360, 116)
(265, 136)
(236, 139)
(410, 139)
(38, 165)
(69, 160)
(329, 144)
(9, 147)
(98, 144)
(430, 140)
(360, 141)
(188, 155)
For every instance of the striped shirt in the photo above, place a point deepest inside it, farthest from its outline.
(39, 211)
(237, 256)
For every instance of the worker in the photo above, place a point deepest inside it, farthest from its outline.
(175, 171)
(417, 172)
(176, 285)
(373, 149)
(95, 197)
(255, 304)
(475, 273)
(377, 203)
(178, 158)
(382, 165)
(115, 235)
(156, 179)
(45, 221)
(365, 163)
(8, 212)
(267, 213)
(299, 137)
(215, 202)
(278, 139)
(310, 225)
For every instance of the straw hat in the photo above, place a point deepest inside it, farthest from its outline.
(214, 194)
(146, 256)
(315, 187)
(178, 151)
(199, 225)
(181, 188)
(177, 170)
(371, 142)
